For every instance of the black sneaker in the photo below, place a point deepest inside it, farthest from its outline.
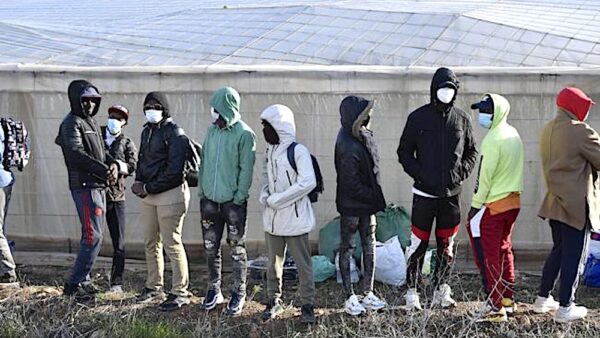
(9, 281)
(149, 295)
(235, 305)
(212, 299)
(79, 293)
(173, 302)
(308, 314)
(274, 308)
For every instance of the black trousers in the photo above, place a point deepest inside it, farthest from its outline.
(115, 217)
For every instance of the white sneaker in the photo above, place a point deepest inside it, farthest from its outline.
(354, 307)
(569, 314)
(543, 304)
(116, 289)
(442, 297)
(412, 300)
(372, 302)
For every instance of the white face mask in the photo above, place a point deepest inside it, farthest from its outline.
(445, 95)
(153, 115)
(114, 126)
(214, 114)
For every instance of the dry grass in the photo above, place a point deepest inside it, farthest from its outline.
(40, 310)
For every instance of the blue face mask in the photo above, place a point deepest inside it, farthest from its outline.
(485, 120)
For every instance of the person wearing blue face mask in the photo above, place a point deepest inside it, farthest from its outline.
(123, 150)
(495, 207)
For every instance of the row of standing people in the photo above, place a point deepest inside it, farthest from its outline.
(436, 149)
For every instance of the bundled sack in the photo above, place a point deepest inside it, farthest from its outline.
(330, 240)
(390, 264)
(591, 274)
(322, 267)
(393, 221)
(354, 272)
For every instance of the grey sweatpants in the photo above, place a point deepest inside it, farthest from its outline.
(300, 249)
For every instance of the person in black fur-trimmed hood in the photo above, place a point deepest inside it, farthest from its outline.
(358, 197)
(160, 183)
(91, 169)
(438, 151)
(123, 150)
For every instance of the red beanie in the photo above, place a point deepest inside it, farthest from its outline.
(574, 101)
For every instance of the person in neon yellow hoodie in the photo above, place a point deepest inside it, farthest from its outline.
(228, 155)
(496, 205)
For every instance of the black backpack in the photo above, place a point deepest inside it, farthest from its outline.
(17, 144)
(193, 157)
(314, 194)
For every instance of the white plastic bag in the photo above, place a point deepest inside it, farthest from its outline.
(354, 273)
(390, 264)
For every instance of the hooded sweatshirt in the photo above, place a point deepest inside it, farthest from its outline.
(228, 153)
(358, 191)
(288, 210)
(501, 165)
(81, 141)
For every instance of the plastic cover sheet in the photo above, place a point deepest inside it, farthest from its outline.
(42, 208)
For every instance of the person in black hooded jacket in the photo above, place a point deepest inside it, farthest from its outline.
(160, 182)
(438, 151)
(358, 197)
(90, 170)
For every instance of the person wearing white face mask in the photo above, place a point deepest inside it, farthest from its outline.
(438, 151)
(160, 181)
(123, 150)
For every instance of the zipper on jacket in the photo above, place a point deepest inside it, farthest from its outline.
(290, 181)
(443, 171)
(274, 170)
(217, 164)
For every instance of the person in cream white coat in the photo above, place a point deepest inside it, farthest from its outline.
(288, 215)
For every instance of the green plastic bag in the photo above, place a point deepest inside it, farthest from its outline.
(323, 269)
(393, 221)
(329, 240)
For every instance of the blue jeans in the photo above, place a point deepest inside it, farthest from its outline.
(91, 207)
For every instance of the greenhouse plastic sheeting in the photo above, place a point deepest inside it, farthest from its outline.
(42, 207)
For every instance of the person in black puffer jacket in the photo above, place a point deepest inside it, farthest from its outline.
(438, 151)
(160, 182)
(358, 197)
(123, 150)
(90, 170)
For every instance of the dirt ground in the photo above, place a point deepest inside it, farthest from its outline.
(38, 309)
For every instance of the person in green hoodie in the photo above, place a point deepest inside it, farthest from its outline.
(496, 205)
(228, 157)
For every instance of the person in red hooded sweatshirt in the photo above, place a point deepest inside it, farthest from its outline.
(570, 151)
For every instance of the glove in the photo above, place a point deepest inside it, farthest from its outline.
(139, 190)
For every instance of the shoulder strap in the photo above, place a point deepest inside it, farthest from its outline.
(291, 153)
